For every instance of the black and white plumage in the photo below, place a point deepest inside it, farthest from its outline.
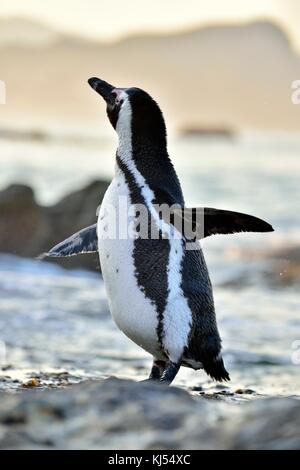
(159, 290)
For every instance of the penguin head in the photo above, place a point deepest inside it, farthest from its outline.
(132, 109)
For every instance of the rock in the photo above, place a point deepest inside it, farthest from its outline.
(28, 229)
(244, 391)
(110, 414)
(23, 223)
(271, 423)
(122, 414)
(279, 267)
(286, 266)
(283, 268)
(31, 383)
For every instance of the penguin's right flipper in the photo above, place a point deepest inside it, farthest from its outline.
(202, 222)
(84, 241)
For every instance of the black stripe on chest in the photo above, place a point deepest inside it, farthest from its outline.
(150, 257)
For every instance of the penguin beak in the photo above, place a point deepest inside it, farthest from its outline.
(103, 88)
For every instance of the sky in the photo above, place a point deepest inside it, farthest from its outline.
(110, 20)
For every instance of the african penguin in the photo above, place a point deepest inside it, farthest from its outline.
(158, 289)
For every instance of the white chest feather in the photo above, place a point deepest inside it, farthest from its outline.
(134, 314)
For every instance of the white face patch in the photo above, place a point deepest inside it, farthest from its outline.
(121, 94)
(123, 128)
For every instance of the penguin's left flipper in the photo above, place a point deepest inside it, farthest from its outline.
(84, 241)
(202, 222)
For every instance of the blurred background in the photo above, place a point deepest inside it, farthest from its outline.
(222, 73)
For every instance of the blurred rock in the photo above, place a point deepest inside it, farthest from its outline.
(278, 267)
(286, 262)
(271, 424)
(28, 229)
(122, 414)
(23, 224)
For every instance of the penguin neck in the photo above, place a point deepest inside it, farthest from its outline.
(140, 149)
(148, 156)
(135, 139)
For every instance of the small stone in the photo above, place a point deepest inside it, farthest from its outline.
(31, 383)
(197, 388)
(244, 391)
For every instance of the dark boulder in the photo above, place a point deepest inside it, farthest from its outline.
(29, 229)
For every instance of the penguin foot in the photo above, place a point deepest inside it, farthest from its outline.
(158, 368)
(169, 373)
